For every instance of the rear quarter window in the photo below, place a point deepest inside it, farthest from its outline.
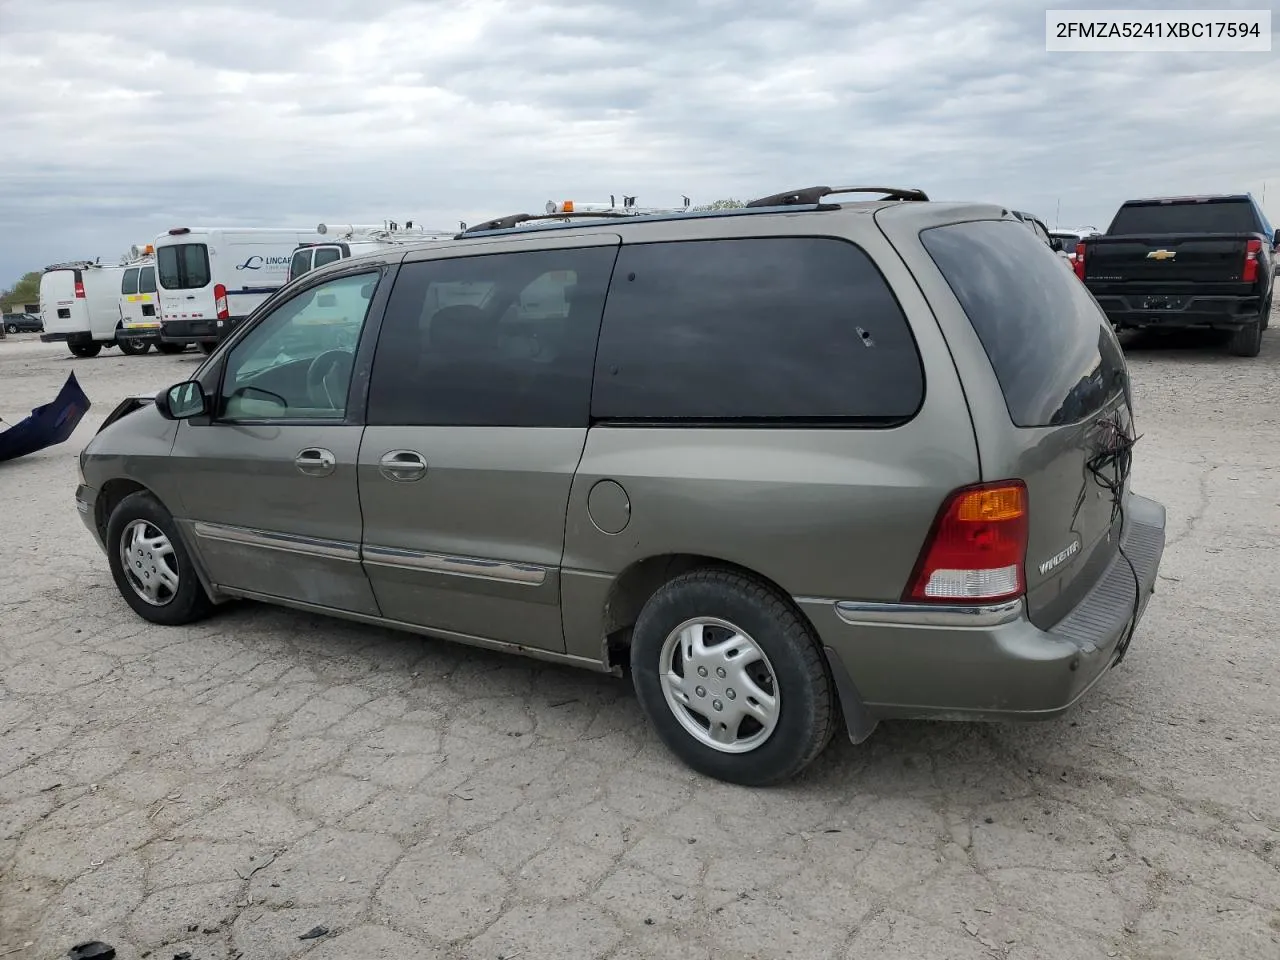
(1217, 216)
(797, 329)
(1050, 345)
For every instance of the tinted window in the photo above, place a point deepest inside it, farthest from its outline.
(297, 362)
(1049, 343)
(327, 255)
(499, 340)
(759, 329)
(147, 280)
(300, 264)
(129, 282)
(183, 266)
(1224, 216)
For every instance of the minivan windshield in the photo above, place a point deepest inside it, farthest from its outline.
(183, 266)
(1051, 346)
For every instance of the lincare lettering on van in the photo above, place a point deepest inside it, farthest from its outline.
(212, 278)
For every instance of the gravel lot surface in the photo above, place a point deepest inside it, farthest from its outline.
(227, 788)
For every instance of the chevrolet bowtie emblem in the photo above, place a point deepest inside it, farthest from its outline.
(1162, 254)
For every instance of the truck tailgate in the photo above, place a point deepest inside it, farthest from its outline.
(1166, 258)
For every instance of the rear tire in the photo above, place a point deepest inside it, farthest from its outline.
(150, 565)
(133, 348)
(732, 678)
(207, 348)
(85, 350)
(1247, 341)
(170, 348)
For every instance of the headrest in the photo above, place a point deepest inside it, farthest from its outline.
(459, 329)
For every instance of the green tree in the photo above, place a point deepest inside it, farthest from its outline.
(727, 204)
(26, 290)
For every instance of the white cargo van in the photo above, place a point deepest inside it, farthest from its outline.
(140, 305)
(211, 278)
(80, 302)
(348, 239)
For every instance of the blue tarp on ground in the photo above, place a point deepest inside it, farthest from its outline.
(48, 424)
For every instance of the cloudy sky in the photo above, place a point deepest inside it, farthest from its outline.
(121, 120)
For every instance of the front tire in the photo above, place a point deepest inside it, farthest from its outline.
(1247, 341)
(169, 349)
(732, 678)
(85, 350)
(12, 328)
(150, 566)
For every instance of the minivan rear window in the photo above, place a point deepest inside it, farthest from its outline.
(1049, 342)
(183, 266)
(1213, 216)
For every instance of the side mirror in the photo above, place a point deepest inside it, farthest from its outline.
(182, 401)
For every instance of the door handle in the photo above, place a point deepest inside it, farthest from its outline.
(316, 462)
(402, 465)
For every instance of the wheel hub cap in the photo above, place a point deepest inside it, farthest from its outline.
(719, 685)
(149, 562)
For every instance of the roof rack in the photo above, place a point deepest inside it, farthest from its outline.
(567, 210)
(72, 265)
(389, 231)
(810, 196)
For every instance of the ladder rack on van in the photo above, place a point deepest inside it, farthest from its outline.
(567, 210)
(72, 265)
(388, 232)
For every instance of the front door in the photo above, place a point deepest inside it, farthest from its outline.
(478, 412)
(270, 491)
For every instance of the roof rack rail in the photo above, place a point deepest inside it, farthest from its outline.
(809, 196)
(72, 265)
(572, 210)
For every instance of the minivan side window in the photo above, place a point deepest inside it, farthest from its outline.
(183, 266)
(790, 329)
(503, 339)
(1049, 342)
(297, 362)
(147, 280)
(129, 282)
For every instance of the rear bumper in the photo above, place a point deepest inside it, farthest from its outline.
(908, 661)
(1130, 311)
(143, 334)
(197, 331)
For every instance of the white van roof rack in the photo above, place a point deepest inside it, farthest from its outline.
(389, 231)
(72, 265)
(567, 210)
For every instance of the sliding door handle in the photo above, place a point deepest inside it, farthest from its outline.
(402, 465)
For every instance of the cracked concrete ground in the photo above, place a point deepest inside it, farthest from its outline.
(225, 789)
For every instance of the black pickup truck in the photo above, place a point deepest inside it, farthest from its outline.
(1177, 262)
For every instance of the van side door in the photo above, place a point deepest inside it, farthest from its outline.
(478, 411)
(268, 482)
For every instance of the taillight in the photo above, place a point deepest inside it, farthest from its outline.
(220, 301)
(976, 551)
(1252, 250)
(79, 289)
(1078, 262)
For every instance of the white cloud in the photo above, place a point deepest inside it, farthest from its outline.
(121, 121)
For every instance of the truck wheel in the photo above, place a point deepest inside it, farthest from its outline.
(150, 565)
(85, 350)
(207, 348)
(1247, 341)
(171, 348)
(732, 678)
(133, 348)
